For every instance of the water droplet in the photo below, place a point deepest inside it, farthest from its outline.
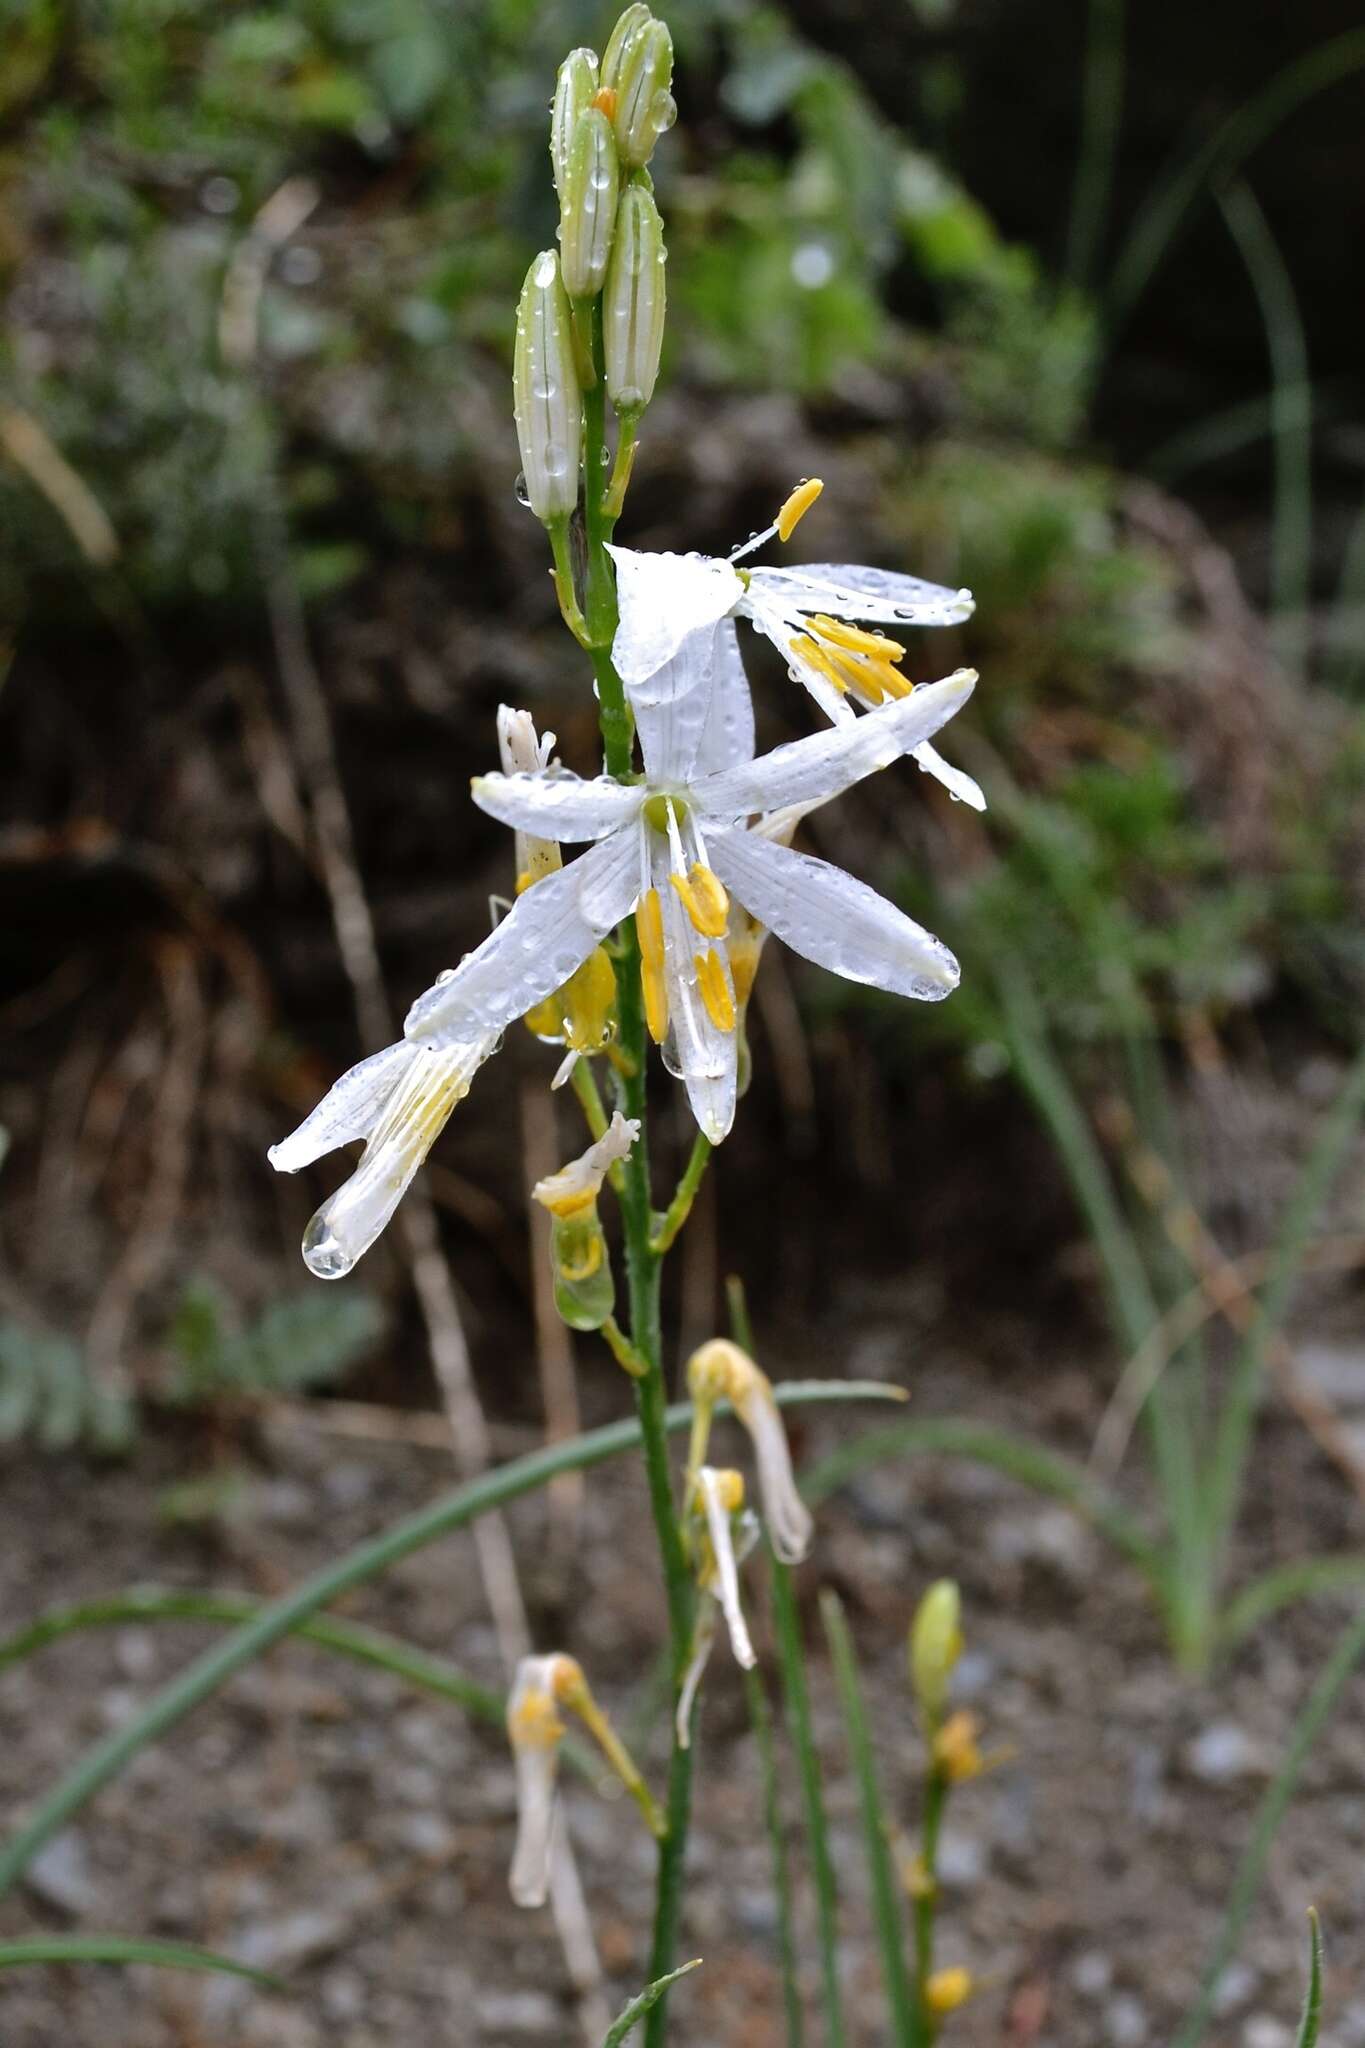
(663, 111)
(446, 974)
(523, 495)
(323, 1252)
(545, 269)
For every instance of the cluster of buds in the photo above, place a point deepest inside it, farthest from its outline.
(535, 1727)
(585, 1289)
(605, 120)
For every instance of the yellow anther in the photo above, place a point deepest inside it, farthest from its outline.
(955, 1748)
(704, 899)
(715, 989)
(588, 998)
(948, 1989)
(604, 99)
(854, 638)
(808, 650)
(797, 506)
(744, 954)
(730, 1490)
(649, 927)
(534, 1723)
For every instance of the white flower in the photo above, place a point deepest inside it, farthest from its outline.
(808, 613)
(720, 1496)
(673, 848)
(721, 1371)
(398, 1100)
(535, 1731)
(575, 1187)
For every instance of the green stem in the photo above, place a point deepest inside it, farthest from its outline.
(680, 1208)
(926, 1900)
(584, 1084)
(761, 1720)
(797, 1699)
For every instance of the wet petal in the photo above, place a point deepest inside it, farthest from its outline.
(850, 591)
(350, 1109)
(700, 1050)
(556, 806)
(784, 1512)
(662, 598)
(727, 1573)
(828, 917)
(959, 784)
(549, 933)
(672, 705)
(813, 769)
(727, 739)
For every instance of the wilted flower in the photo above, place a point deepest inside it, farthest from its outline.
(721, 1534)
(721, 1371)
(585, 1291)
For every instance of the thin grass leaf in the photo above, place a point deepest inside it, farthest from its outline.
(906, 2025)
(627, 2021)
(796, 1697)
(761, 1721)
(365, 1561)
(1304, 1579)
(1235, 1423)
(1309, 1726)
(1228, 430)
(1220, 156)
(1101, 112)
(1312, 2007)
(1291, 537)
(118, 1948)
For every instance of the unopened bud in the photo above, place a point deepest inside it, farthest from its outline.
(645, 107)
(629, 25)
(587, 209)
(935, 1646)
(574, 89)
(946, 1990)
(547, 398)
(633, 306)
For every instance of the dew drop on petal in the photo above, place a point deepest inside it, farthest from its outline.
(446, 974)
(323, 1252)
(523, 495)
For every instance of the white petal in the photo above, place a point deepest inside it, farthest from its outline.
(787, 1517)
(556, 806)
(850, 591)
(828, 917)
(671, 707)
(728, 736)
(704, 1634)
(955, 780)
(585, 1175)
(552, 928)
(727, 1576)
(813, 769)
(413, 1117)
(520, 748)
(350, 1109)
(529, 1878)
(702, 1056)
(662, 598)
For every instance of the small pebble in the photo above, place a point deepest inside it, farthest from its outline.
(1092, 1973)
(1125, 2021)
(60, 1875)
(1221, 1753)
(1263, 2032)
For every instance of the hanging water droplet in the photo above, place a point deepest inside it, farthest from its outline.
(523, 495)
(323, 1252)
(446, 974)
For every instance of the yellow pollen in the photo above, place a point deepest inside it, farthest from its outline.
(839, 634)
(796, 507)
(604, 99)
(535, 1724)
(715, 989)
(704, 899)
(649, 927)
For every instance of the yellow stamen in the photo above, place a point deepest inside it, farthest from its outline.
(534, 1724)
(806, 649)
(715, 989)
(855, 639)
(604, 99)
(589, 998)
(744, 966)
(704, 899)
(649, 927)
(796, 507)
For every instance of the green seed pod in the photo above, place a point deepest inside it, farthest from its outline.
(633, 307)
(585, 1290)
(574, 88)
(546, 395)
(644, 105)
(635, 18)
(587, 212)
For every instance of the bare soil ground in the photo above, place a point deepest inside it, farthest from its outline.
(329, 1824)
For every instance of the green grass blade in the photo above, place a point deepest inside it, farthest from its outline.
(1310, 1724)
(1101, 112)
(1220, 156)
(906, 2028)
(796, 1697)
(119, 1948)
(1029, 1463)
(1291, 537)
(154, 1603)
(1312, 2006)
(628, 2020)
(1303, 1579)
(761, 1721)
(452, 1511)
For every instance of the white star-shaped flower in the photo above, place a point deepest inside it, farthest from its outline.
(816, 616)
(675, 848)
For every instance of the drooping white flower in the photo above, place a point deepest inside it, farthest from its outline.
(726, 1535)
(720, 1371)
(815, 616)
(535, 1731)
(576, 1186)
(674, 848)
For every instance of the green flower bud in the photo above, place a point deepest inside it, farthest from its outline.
(585, 1290)
(574, 88)
(629, 25)
(633, 307)
(644, 105)
(587, 211)
(547, 399)
(935, 1646)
